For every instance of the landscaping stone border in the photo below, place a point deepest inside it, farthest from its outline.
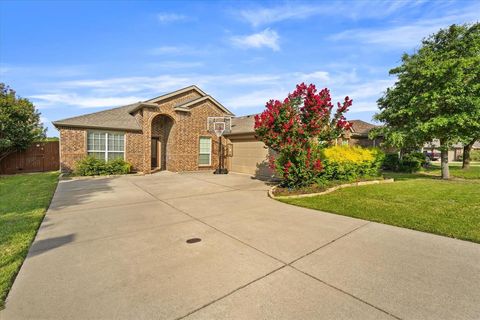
(329, 190)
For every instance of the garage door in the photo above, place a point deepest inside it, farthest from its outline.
(250, 157)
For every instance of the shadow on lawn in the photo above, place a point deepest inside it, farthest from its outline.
(400, 176)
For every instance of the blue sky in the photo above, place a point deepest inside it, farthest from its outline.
(72, 58)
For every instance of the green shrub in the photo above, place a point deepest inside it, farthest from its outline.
(347, 163)
(117, 166)
(391, 162)
(91, 166)
(475, 155)
(419, 156)
(410, 163)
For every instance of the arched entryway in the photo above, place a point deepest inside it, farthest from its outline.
(160, 132)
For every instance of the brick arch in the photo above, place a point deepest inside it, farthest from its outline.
(161, 127)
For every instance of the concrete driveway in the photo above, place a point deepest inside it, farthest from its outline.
(115, 248)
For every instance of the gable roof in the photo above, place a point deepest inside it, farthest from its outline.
(187, 105)
(116, 118)
(123, 118)
(177, 92)
(361, 127)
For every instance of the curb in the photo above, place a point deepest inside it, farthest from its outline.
(329, 190)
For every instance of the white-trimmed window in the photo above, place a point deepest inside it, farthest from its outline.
(205, 151)
(106, 145)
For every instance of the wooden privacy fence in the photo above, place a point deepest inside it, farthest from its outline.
(40, 156)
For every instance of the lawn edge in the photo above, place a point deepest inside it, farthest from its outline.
(14, 277)
(329, 190)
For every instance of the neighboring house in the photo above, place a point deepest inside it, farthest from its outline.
(358, 135)
(455, 153)
(170, 133)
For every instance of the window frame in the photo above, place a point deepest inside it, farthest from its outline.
(209, 154)
(106, 136)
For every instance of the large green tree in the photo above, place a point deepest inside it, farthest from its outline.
(437, 93)
(20, 122)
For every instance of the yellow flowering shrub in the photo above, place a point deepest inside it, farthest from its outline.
(348, 163)
(343, 154)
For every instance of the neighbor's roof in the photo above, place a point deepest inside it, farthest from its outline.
(245, 124)
(122, 118)
(242, 125)
(361, 127)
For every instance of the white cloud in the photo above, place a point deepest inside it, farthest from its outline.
(72, 99)
(163, 50)
(170, 17)
(258, 16)
(407, 36)
(266, 38)
(50, 71)
(241, 92)
(44, 120)
(254, 99)
(177, 64)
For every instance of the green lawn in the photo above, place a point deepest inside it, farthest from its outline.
(23, 202)
(415, 201)
(456, 170)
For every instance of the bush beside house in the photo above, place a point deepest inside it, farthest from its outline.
(91, 166)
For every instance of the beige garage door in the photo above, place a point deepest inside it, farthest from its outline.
(250, 157)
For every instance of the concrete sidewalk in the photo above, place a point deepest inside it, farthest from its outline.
(115, 248)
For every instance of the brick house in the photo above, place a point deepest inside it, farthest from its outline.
(168, 132)
(358, 135)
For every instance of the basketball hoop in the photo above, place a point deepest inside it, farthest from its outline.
(219, 128)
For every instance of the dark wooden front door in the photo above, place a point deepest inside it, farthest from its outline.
(154, 148)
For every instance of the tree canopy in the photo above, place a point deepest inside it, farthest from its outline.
(19, 122)
(437, 93)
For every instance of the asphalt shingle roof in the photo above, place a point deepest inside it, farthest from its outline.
(361, 127)
(116, 118)
(242, 124)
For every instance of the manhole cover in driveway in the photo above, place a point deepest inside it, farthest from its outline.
(193, 240)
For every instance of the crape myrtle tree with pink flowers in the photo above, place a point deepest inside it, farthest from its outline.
(298, 128)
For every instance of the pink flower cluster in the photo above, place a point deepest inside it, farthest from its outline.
(290, 127)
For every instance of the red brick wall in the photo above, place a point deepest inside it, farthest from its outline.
(72, 147)
(133, 150)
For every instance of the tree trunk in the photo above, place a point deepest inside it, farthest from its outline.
(444, 160)
(466, 154)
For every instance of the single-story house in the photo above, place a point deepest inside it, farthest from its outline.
(358, 135)
(170, 132)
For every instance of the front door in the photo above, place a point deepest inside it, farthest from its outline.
(154, 157)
